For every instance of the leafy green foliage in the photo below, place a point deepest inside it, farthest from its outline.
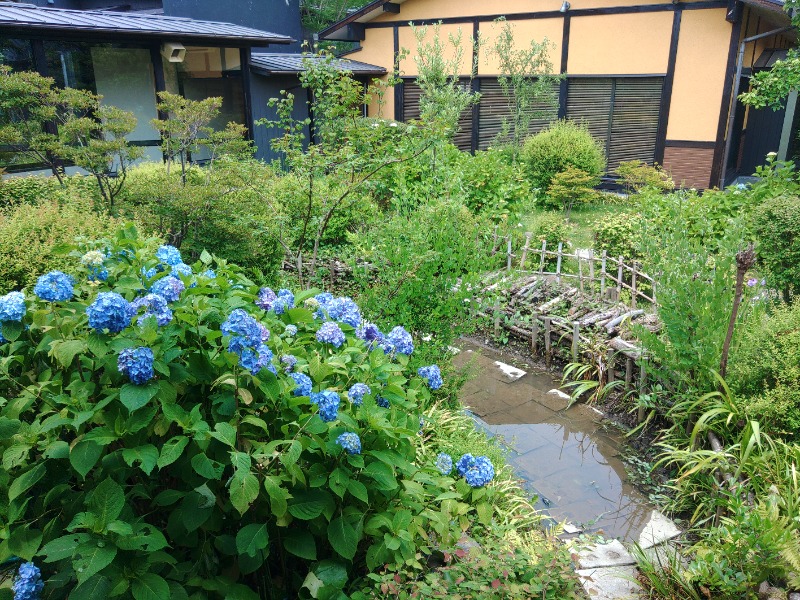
(570, 187)
(554, 230)
(562, 145)
(493, 186)
(619, 235)
(776, 225)
(209, 480)
(637, 175)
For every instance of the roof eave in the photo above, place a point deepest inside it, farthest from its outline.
(360, 16)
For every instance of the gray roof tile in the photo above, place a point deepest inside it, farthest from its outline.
(274, 63)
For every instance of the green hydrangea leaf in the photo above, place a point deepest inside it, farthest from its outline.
(205, 467)
(150, 587)
(252, 538)
(244, 491)
(300, 543)
(107, 501)
(172, 450)
(146, 456)
(343, 537)
(135, 396)
(84, 455)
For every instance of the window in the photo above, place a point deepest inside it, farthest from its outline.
(18, 54)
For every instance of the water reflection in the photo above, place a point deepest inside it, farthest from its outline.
(563, 456)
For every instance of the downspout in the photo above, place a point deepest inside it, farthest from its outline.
(735, 96)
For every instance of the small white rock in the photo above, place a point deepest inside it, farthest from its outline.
(510, 371)
(560, 394)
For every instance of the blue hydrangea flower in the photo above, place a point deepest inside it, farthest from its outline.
(344, 310)
(464, 463)
(169, 255)
(154, 305)
(208, 274)
(357, 392)
(432, 375)
(328, 403)
(370, 333)
(290, 361)
(330, 333)
(280, 305)
(382, 402)
(54, 287)
(240, 323)
(265, 298)
(170, 288)
(152, 272)
(399, 340)
(291, 330)
(255, 359)
(303, 382)
(287, 295)
(480, 473)
(97, 273)
(28, 584)
(264, 332)
(12, 306)
(182, 269)
(350, 442)
(109, 311)
(136, 364)
(444, 462)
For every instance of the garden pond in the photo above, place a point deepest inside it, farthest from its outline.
(566, 456)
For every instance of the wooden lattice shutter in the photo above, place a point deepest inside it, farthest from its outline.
(411, 98)
(634, 126)
(494, 108)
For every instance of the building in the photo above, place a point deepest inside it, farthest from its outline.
(655, 81)
(197, 48)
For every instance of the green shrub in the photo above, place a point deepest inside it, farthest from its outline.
(494, 186)
(619, 235)
(35, 189)
(203, 476)
(764, 371)
(29, 234)
(570, 187)
(776, 224)
(562, 145)
(637, 175)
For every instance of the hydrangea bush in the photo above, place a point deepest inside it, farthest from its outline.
(155, 445)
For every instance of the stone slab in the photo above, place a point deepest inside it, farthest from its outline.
(611, 583)
(658, 530)
(612, 554)
(510, 372)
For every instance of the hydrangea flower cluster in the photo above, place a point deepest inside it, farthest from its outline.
(136, 364)
(444, 462)
(170, 288)
(290, 361)
(369, 332)
(432, 375)
(477, 471)
(28, 584)
(93, 261)
(265, 298)
(350, 442)
(154, 305)
(247, 341)
(382, 402)
(169, 255)
(291, 330)
(283, 302)
(398, 340)
(209, 274)
(303, 382)
(182, 269)
(357, 392)
(343, 310)
(110, 311)
(54, 287)
(12, 306)
(328, 403)
(330, 333)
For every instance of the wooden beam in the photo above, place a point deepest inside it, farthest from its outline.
(717, 168)
(356, 32)
(391, 7)
(666, 91)
(563, 87)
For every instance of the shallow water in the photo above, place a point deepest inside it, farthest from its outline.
(564, 456)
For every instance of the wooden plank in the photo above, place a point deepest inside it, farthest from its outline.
(525, 250)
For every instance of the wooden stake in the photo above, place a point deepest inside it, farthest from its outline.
(603, 275)
(580, 273)
(544, 252)
(628, 372)
(633, 286)
(497, 317)
(591, 269)
(576, 338)
(558, 261)
(619, 279)
(534, 334)
(525, 250)
(508, 254)
(640, 415)
(612, 363)
(547, 345)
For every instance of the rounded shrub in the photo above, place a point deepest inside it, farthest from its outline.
(167, 452)
(494, 186)
(619, 235)
(563, 144)
(776, 224)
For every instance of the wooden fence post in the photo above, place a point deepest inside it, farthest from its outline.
(547, 341)
(640, 415)
(534, 334)
(544, 253)
(508, 254)
(603, 275)
(591, 269)
(628, 372)
(558, 261)
(497, 317)
(525, 250)
(580, 272)
(633, 285)
(619, 279)
(576, 338)
(612, 363)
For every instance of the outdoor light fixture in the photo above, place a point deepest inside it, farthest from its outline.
(565, 7)
(173, 52)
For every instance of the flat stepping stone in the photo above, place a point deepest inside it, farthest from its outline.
(658, 530)
(510, 372)
(610, 583)
(612, 554)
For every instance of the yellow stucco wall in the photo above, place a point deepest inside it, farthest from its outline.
(699, 75)
(620, 44)
(408, 41)
(524, 32)
(378, 49)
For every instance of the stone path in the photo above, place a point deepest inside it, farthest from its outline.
(571, 463)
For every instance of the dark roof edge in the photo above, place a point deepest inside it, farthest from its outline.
(71, 31)
(352, 18)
